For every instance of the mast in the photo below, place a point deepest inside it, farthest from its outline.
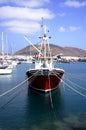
(7, 45)
(44, 38)
(2, 46)
(45, 42)
(45, 46)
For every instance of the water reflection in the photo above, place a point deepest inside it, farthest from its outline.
(5, 78)
(41, 115)
(39, 107)
(5, 81)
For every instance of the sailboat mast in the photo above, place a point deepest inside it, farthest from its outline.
(2, 46)
(7, 45)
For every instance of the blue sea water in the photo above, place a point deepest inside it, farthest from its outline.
(62, 109)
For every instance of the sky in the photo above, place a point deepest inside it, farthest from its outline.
(65, 20)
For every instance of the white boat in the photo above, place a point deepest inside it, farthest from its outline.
(4, 65)
(4, 70)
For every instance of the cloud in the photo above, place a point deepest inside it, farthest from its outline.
(24, 13)
(22, 27)
(23, 19)
(74, 28)
(24, 3)
(62, 29)
(69, 29)
(74, 3)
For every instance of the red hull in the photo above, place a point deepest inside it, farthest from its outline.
(44, 82)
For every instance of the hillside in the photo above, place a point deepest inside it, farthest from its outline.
(68, 51)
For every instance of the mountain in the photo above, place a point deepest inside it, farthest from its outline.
(55, 49)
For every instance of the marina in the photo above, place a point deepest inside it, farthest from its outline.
(42, 65)
(21, 108)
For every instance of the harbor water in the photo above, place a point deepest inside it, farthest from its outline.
(62, 109)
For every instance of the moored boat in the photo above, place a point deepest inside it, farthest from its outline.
(5, 70)
(5, 66)
(44, 77)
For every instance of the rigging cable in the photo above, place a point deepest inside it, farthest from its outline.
(73, 83)
(4, 105)
(71, 87)
(50, 92)
(3, 94)
(74, 76)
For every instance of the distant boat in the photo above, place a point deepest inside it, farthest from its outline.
(4, 65)
(4, 70)
(44, 77)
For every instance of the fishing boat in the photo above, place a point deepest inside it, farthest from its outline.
(44, 77)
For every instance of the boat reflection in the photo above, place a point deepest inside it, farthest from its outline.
(39, 106)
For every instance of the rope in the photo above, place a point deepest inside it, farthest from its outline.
(13, 88)
(52, 106)
(10, 100)
(35, 75)
(72, 88)
(4, 105)
(75, 84)
(74, 76)
(3, 94)
(50, 92)
(75, 90)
